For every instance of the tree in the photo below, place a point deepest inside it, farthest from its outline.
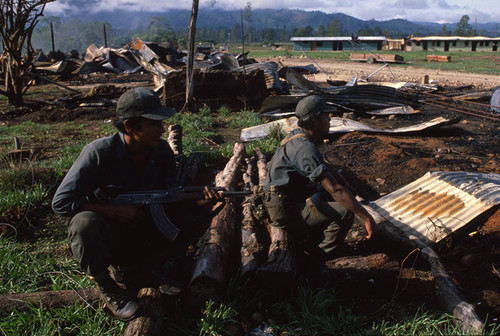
(303, 31)
(444, 31)
(321, 31)
(334, 28)
(463, 27)
(18, 19)
(247, 16)
(158, 30)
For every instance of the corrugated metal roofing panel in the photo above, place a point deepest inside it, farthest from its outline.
(439, 203)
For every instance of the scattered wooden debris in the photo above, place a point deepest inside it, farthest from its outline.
(438, 58)
(49, 299)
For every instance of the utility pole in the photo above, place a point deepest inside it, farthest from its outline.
(105, 37)
(190, 56)
(52, 37)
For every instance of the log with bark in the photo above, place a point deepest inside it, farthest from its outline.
(232, 173)
(360, 269)
(212, 258)
(281, 260)
(449, 296)
(151, 315)
(253, 249)
(261, 166)
(49, 299)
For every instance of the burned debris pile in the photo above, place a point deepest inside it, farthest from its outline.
(239, 82)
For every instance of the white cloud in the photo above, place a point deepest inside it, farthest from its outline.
(413, 10)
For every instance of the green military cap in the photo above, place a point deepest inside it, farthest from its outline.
(142, 102)
(310, 107)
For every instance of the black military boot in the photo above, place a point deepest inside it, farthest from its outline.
(116, 298)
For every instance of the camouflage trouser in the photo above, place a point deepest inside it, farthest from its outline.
(327, 223)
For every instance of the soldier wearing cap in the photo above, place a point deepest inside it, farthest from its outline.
(105, 236)
(290, 201)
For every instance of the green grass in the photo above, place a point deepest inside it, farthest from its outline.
(474, 62)
(72, 320)
(45, 264)
(37, 268)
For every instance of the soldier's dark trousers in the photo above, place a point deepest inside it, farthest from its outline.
(327, 224)
(96, 242)
(91, 242)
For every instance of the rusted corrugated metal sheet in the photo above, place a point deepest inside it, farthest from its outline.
(270, 70)
(439, 203)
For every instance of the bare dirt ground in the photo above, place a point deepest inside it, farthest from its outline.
(376, 165)
(346, 70)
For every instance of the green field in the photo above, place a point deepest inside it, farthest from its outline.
(475, 62)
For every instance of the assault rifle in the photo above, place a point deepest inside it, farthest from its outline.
(155, 199)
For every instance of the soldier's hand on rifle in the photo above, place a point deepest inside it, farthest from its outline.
(212, 195)
(134, 214)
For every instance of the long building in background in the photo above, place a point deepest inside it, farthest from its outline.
(427, 43)
(452, 43)
(334, 43)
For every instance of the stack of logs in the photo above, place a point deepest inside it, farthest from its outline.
(267, 253)
(216, 246)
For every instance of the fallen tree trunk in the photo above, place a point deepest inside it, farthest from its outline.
(281, 260)
(150, 320)
(49, 299)
(360, 269)
(252, 247)
(448, 294)
(214, 248)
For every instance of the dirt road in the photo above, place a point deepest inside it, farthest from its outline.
(337, 70)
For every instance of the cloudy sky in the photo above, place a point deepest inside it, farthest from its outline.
(441, 11)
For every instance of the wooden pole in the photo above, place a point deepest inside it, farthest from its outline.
(105, 36)
(190, 56)
(52, 37)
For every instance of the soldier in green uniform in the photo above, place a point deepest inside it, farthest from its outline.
(298, 163)
(106, 237)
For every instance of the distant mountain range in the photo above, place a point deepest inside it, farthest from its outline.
(278, 19)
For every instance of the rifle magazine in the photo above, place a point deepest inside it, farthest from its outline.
(162, 222)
